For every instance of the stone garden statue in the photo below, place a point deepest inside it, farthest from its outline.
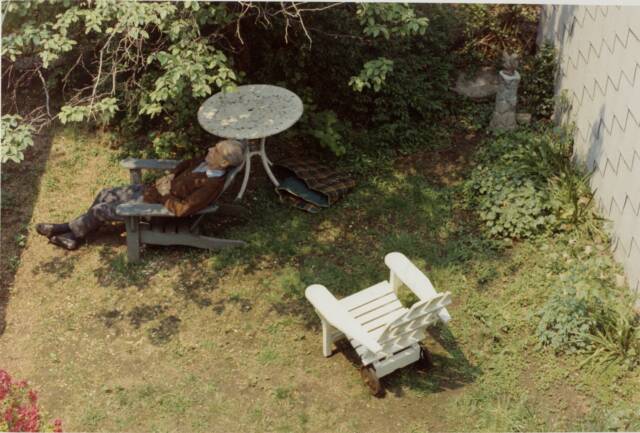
(510, 63)
(504, 114)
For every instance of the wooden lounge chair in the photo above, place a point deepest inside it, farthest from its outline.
(148, 223)
(385, 334)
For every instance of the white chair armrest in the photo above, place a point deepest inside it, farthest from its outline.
(331, 310)
(414, 279)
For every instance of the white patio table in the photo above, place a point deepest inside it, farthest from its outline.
(250, 112)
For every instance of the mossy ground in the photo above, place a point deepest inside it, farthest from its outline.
(224, 341)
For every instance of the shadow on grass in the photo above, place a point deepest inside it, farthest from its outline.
(193, 284)
(20, 183)
(116, 272)
(61, 267)
(342, 248)
(167, 327)
(448, 372)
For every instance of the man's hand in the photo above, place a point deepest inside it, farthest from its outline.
(163, 184)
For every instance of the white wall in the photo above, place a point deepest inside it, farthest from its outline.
(599, 56)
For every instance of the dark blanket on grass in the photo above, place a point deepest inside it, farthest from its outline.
(309, 184)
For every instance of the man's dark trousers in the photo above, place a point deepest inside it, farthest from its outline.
(104, 207)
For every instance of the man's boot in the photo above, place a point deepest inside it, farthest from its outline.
(49, 230)
(66, 240)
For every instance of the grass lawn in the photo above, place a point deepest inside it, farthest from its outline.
(192, 340)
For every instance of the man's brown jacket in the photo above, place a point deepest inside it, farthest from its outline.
(190, 192)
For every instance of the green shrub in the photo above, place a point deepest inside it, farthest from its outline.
(524, 184)
(15, 138)
(537, 87)
(509, 204)
(156, 62)
(146, 67)
(395, 107)
(565, 323)
(588, 313)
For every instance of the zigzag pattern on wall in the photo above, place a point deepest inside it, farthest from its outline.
(600, 69)
(615, 207)
(570, 26)
(618, 244)
(598, 51)
(602, 125)
(615, 83)
(615, 167)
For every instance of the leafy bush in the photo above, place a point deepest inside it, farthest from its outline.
(400, 95)
(137, 63)
(565, 323)
(537, 87)
(378, 75)
(389, 19)
(328, 131)
(587, 313)
(146, 67)
(15, 138)
(19, 410)
(373, 75)
(509, 203)
(524, 184)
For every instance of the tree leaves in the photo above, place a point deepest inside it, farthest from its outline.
(373, 75)
(15, 138)
(390, 19)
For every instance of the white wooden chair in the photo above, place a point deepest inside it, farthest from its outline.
(384, 333)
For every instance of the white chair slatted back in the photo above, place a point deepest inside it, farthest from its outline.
(403, 271)
(409, 327)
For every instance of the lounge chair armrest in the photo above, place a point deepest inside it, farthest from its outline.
(413, 278)
(149, 164)
(154, 210)
(331, 310)
(143, 209)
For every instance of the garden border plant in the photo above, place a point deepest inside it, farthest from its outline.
(526, 185)
(19, 408)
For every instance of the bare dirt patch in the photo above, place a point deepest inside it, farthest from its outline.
(445, 166)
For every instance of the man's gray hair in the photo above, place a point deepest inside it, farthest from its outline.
(232, 151)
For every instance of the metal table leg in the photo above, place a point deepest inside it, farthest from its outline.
(266, 163)
(247, 171)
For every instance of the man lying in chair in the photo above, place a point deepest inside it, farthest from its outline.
(192, 186)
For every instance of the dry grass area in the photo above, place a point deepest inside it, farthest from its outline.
(201, 341)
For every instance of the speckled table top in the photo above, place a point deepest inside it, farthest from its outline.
(251, 111)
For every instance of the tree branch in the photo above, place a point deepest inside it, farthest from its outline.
(46, 92)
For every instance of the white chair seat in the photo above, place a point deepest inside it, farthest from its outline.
(373, 308)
